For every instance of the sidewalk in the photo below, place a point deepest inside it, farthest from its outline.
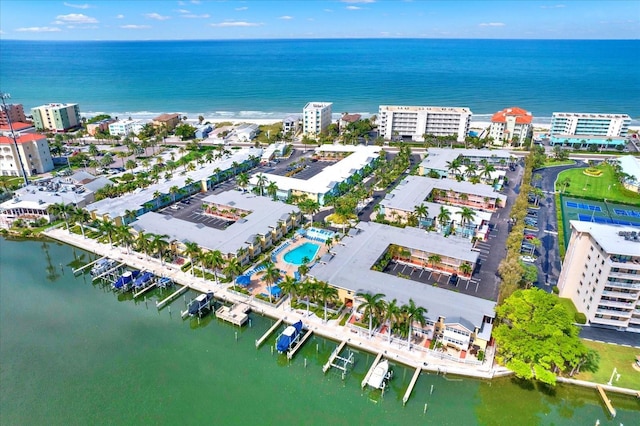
(330, 330)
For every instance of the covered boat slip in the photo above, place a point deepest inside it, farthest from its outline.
(292, 339)
(199, 306)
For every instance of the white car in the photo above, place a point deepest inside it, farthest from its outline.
(529, 259)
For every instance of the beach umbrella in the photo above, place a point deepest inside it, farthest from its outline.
(276, 291)
(243, 280)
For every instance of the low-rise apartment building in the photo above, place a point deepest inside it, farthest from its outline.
(511, 125)
(32, 149)
(414, 122)
(125, 127)
(167, 121)
(13, 113)
(601, 274)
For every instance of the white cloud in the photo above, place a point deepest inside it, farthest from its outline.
(286, 17)
(237, 24)
(76, 18)
(39, 30)
(183, 11)
(195, 1)
(492, 24)
(135, 27)
(77, 6)
(120, 16)
(240, 9)
(353, 8)
(156, 16)
(328, 10)
(554, 6)
(194, 16)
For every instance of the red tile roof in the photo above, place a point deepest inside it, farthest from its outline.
(17, 126)
(351, 118)
(522, 116)
(27, 137)
(166, 117)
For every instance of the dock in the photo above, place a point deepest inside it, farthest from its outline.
(370, 372)
(145, 289)
(172, 296)
(333, 356)
(110, 271)
(293, 351)
(607, 401)
(413, 382)
(82, 268)
(238, 314)
(269, 332)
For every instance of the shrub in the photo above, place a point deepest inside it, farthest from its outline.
(580, 318)
(555, 289)
(480, 356)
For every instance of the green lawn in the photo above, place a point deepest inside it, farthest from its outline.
(602, 187)
(613, 356)
(551, 162)
(569, 306)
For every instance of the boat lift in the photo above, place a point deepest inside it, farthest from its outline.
(341, 363)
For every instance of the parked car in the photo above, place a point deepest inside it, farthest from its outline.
(453, 279)
(529, 237)
(529, 259)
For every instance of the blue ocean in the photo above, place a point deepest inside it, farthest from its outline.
(272, 78)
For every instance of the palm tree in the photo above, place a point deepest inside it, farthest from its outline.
(61, 210)
(272, 190)
(193, 251)
(108, 229)
(453, 166)
(421, 212)
(466, 268)
(308, 290)
(289, 286)
(310, 207)
(243, 180)
(444, 216)
(233, 268)
(158, 244)
(373, 306)
(129, 216)
(261, 183)
(271, 276)
(326, 293)
(142, 243)
(392, 312)
(466, 215)
(487, 170)
(125, 237)
(434, 259)
(303, 269)
(414, 314)
(214, 261)
(82, 216)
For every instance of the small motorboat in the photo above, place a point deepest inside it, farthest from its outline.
(200, 305)
(164, 282)
(143, 280)
(125, 282)
(102, 266)
(380, 376)
(289, 337)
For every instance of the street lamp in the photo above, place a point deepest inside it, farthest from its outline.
(5, 96)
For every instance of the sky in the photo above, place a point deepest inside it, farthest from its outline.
(265, 19)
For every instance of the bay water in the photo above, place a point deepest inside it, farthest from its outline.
(74, 352)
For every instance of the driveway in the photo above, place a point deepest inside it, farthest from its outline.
(608, 335)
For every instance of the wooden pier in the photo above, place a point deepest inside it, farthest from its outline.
(82, 268)
(237, 314)
(293, 351)
(172, 296)
(607, 401)
(333, 356)
(413, 382)
(269, 332)
(370, 372)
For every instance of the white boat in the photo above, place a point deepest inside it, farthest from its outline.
(103, 265)
(380, 375)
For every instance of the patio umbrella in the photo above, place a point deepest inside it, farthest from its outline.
(243, 280)
(301, 231)
(275, 291)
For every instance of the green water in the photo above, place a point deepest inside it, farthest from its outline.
(73, 352)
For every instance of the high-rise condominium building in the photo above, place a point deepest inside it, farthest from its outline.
(417, 121)
(13, 112)
(316, 117)
(56, 117)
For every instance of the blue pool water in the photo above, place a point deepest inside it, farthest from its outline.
(296, 255)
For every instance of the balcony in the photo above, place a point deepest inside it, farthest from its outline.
(620, 294)
(624, 305)
(623, 314)
(615, 323)
(623, 285)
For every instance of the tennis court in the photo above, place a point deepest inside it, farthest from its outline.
(596, 212)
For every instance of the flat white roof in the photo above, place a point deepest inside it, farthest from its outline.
(589, 115)
(324, 181)
(431, 109)
(606, 235)
(350, 268)
(437, 158)
(265, 215)
(631, 166)
(115, 207)
(414, 190)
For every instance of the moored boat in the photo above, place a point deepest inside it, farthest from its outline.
(380, 376)
(101, 266)
(125, 281)
(143, 279)
(289, 337)
(200, 305)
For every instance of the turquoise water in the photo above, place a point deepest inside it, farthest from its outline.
(296, 255)
(74, 352)
(263, 78)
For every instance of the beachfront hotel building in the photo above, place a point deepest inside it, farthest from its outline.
(124, 209)
(56, 117)
(511, 125)
(167, 121)
(453, 318)
(13, 113)
(31, 202)
(438, 160)
(253, 224)
(32, 149)
(570, 128)
(346, 161)
(125, 127)
(414, 122)
(601, 274)
(316, 117)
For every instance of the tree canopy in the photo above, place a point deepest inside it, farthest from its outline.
(537, 339)
(185, 131)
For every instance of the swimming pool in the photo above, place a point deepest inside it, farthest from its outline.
(296, 255)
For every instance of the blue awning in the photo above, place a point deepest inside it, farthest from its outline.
(276, 291)
(243, 280)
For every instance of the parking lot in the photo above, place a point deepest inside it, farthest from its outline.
(443, 280)
(311, 169)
